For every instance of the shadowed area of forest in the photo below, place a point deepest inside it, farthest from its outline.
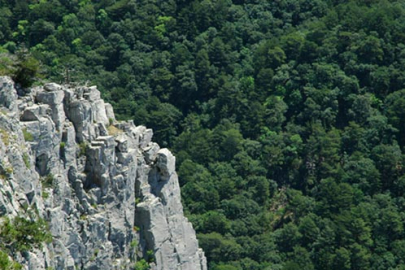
(287, 117)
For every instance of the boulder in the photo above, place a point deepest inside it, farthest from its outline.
(166, 162)
(50, 87)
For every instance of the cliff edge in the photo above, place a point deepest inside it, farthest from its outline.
(109, 195)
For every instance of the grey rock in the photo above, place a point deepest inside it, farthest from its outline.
(122, 143)
(31, 114)
(92, 188)
(166, 230)
(34, 112)
(166, 162)
(52, 87)
(91, 93)
(70, 95)
(80, 114)
(127, 158)
(8, 94)
(101, 130)
(110, 112)
(56, 226)
(55, 100)
(151, 152)
(68, 145)
(99, 112)
(146, 138)
(55, 97)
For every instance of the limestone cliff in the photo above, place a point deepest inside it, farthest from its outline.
(109, 194)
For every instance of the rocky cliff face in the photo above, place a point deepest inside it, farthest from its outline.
(109, 194)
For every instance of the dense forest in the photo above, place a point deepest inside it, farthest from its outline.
(287, 117)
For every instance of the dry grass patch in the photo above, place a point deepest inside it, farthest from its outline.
(5, 137)
(114, 131)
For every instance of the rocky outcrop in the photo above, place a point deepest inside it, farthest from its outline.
(109, 194)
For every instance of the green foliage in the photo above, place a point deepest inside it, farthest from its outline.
(6, 64)
(9, 170)
(225, 267)
(286, 117)
(7, 264)
(45, 195)
(219, 248)
(47, 181)
(134, 244)
(26, 159)
(21, 234)
(142, 265)
(150, 256)
(62, 145)
(28, 137)
(82, 149)
(26, 69)
(5, 137)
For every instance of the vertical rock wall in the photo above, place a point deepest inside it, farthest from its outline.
(110, 195)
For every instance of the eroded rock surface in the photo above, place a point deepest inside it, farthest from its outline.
(109, 194)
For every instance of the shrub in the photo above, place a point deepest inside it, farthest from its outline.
(5, 137)
(45, 195)
(47, 181)
(9, 170)
(28, 137)
(150, 255)
(24, 234)
(141, 265)
(6, 263)
(26, 159)
(6, 63)
(134, 244)
(26, 69)
(82, 149)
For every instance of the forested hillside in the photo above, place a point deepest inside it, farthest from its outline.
(287, 117)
